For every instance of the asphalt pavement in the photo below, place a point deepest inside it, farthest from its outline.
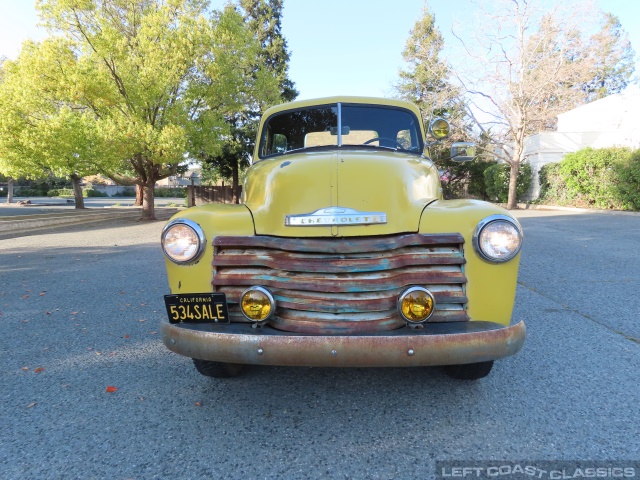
(80, 311)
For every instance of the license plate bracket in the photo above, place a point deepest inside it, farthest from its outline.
(197, 308)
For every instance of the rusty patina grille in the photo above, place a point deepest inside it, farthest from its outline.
(342, 285)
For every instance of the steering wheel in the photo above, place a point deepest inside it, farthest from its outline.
(386, 139)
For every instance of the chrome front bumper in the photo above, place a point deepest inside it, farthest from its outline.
(436, 344)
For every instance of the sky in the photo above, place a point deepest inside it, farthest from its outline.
(338, 47)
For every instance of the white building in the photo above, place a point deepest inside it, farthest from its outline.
(613, 121)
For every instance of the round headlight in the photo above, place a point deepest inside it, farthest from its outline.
(416, 304)
(257, 304)
(183, 240)
(497, 238)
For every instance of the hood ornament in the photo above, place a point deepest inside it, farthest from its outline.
(335, 216)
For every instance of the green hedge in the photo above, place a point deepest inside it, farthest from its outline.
(607, 178)
(458, 175)
(497, 177)
(164, 192)
(91, 193)
(30, 192)
(627, 170)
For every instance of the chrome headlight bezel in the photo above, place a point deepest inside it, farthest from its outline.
(481, 229)
(198, 232)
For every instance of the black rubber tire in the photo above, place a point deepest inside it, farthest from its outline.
(218, 369)
(469, 371)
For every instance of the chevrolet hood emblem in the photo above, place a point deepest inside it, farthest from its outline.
(335, 216)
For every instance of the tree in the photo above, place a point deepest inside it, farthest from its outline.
(40, 133)
(425, 82)
(263, 18)
(613, 60)
(143, 67)
(528, 65)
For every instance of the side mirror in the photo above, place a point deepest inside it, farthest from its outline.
(463, 151)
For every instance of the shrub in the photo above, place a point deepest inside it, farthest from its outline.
(459, 176)
(497, 177)
(553, 188)
(627, 172)
(590, 176)
(30, 192)
(90, 193)
(164, 192)
(65, 192)
(53, 193)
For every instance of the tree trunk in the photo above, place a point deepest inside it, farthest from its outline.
(512, 202)
(9, 190)
(139, 199)
(234, 184)
(77, 191)
(148, 207)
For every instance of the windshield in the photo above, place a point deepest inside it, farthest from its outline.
(341, 125)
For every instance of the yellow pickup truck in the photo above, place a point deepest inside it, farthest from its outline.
(343, 253)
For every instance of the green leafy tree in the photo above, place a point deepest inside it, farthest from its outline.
(158, 77)
(41, 134)
(263, 19)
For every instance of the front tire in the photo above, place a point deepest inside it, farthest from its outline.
(218, 369)
(469, 371)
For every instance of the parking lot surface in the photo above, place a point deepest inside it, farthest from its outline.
(80, 311)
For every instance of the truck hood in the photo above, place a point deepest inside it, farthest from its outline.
(353, 189)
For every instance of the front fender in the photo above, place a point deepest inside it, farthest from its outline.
(215, 219)
(491, 287)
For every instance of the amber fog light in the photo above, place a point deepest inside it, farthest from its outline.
(440, 128)
(416, 304)
(257, 304)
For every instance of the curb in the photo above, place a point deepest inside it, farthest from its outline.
(32, 222)
(529, 206)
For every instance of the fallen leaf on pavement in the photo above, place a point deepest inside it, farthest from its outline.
(32, 404)
(38, 370)
(198, 404)
(42, 294)
(25, 368)
(111, 389)
(126, 336)
(25, 296)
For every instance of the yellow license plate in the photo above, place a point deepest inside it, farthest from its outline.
(197, 308)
